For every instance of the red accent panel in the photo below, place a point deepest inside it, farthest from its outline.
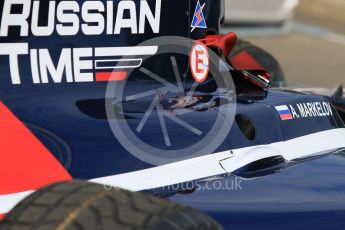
(224, 42)
(2, 216)
(111, 76)
(25, 163)
(244, 61)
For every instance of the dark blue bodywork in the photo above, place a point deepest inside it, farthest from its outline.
(70, 120)
(306, 196)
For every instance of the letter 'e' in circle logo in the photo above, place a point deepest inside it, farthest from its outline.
(199, 62)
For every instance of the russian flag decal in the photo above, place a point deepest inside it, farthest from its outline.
(284, 112)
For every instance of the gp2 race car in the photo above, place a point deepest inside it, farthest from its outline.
(113, 112)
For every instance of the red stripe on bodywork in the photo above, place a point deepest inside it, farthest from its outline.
(2, 216)
(25, 163)
(111, 76)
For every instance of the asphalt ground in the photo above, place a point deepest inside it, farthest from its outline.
(312, 54)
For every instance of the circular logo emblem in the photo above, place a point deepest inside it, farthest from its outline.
(199, 62)
(160, 114)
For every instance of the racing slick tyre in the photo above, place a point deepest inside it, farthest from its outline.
(83, 205)
(265, 59)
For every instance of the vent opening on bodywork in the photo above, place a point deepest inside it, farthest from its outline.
(246, 126)
(262, 167)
